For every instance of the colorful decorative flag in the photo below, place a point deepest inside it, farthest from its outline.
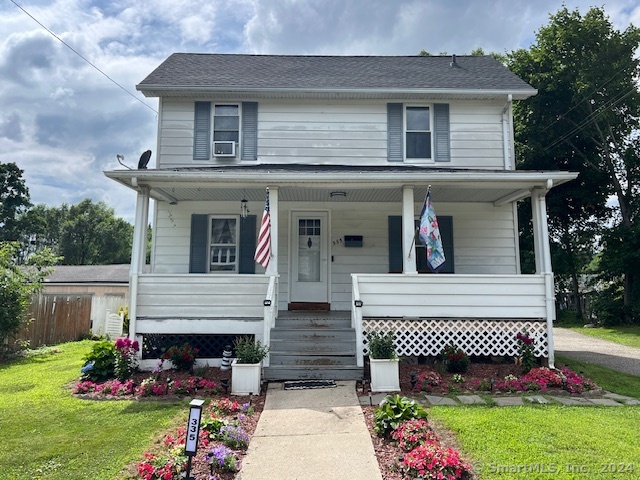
(263, 250)
(430, 235)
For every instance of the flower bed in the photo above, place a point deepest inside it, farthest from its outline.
(491, 378)
(225, 429)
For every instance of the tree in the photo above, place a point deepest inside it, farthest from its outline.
(584, 118)
(17, 285)
(14, 199)
(42, 228)
(92, 235)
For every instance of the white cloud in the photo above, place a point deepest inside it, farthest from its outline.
(63, 122)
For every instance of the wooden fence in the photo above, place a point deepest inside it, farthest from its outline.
(57, 318)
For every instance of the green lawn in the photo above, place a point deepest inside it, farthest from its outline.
(624, 335)
(47, 433)
(541, 442)
(552, 441)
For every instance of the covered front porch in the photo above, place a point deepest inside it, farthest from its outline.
(481, 306)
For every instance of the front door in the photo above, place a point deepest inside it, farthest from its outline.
(309, 263)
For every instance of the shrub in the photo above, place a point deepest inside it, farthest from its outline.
(100, 362)
(413, 433)
(249, 351)
(223, 459)
(431, 461)
(381, 345)
(393, 411)
(234, 436)
(526, 351)
(427, 379)
(457, 361)
(182, 356)
(126, 358)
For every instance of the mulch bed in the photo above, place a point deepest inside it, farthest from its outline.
(387, 452)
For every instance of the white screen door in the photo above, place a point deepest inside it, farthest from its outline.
(309, 265)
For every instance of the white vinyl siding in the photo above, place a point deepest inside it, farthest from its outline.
(348, 132)
(483, 236)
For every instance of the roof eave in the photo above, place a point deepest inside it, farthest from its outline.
(156, 90)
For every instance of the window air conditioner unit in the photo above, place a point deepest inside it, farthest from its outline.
(224, 149)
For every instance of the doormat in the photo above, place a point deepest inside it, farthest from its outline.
(306, 384)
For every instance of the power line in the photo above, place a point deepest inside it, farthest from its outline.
(83, 58)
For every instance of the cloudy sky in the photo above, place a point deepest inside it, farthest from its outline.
(63, 122)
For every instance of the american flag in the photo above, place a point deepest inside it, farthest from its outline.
(263, 250)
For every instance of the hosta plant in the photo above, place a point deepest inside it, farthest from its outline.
(393, 411)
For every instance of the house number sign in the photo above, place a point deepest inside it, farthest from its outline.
(193, 426)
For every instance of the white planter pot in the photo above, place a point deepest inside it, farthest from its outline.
(385, 375)
(245, 378)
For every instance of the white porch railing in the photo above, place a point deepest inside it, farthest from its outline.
(201, 296)
(475, 311)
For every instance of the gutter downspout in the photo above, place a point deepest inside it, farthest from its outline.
(506, 136)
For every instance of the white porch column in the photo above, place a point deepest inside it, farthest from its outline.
(138, 254)
(408, 231)
(272, 268)
(543, 261)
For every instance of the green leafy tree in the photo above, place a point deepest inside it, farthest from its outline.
(92, 235)
(14, 199)
(584, 118)
(17, 285)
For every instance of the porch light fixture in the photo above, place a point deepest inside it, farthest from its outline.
(338, 194)
(244, 208)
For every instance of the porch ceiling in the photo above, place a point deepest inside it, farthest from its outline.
(315, 184)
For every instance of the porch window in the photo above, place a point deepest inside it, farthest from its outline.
(418, 133)
(223, 244)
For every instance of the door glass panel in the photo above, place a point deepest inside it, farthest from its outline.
(309, 250)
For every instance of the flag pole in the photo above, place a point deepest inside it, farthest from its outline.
(413, 242)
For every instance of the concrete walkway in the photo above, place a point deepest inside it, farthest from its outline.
(316, 434)
(596, 351)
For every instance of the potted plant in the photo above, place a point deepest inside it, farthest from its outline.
(246, 369)
(383, 362)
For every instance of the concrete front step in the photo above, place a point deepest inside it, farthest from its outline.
(320, 360)
(313, 323)
(290, 372)
(313, 346)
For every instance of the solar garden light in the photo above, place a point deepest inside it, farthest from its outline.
(413, 380)
(193, 431)
(226, 358)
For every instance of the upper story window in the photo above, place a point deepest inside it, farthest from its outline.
(223, 244)
(226, 123)
(418, 132)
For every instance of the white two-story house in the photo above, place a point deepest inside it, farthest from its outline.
(347, 147)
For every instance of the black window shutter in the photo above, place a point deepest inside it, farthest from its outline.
(202, 131)
(445, 224)
(395, 244)
(249, 131)
(198, 249)
(246, 263)
(441, 141)
(395, 132)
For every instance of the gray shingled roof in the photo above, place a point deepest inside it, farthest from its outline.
(222, 71)
(90, 274)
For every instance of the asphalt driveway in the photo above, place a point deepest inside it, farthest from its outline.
(596, 351)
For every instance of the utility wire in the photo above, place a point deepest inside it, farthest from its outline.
(83, 58)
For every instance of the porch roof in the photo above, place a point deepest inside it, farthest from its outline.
(316, 183)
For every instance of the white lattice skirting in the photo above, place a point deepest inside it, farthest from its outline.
(476, 337)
